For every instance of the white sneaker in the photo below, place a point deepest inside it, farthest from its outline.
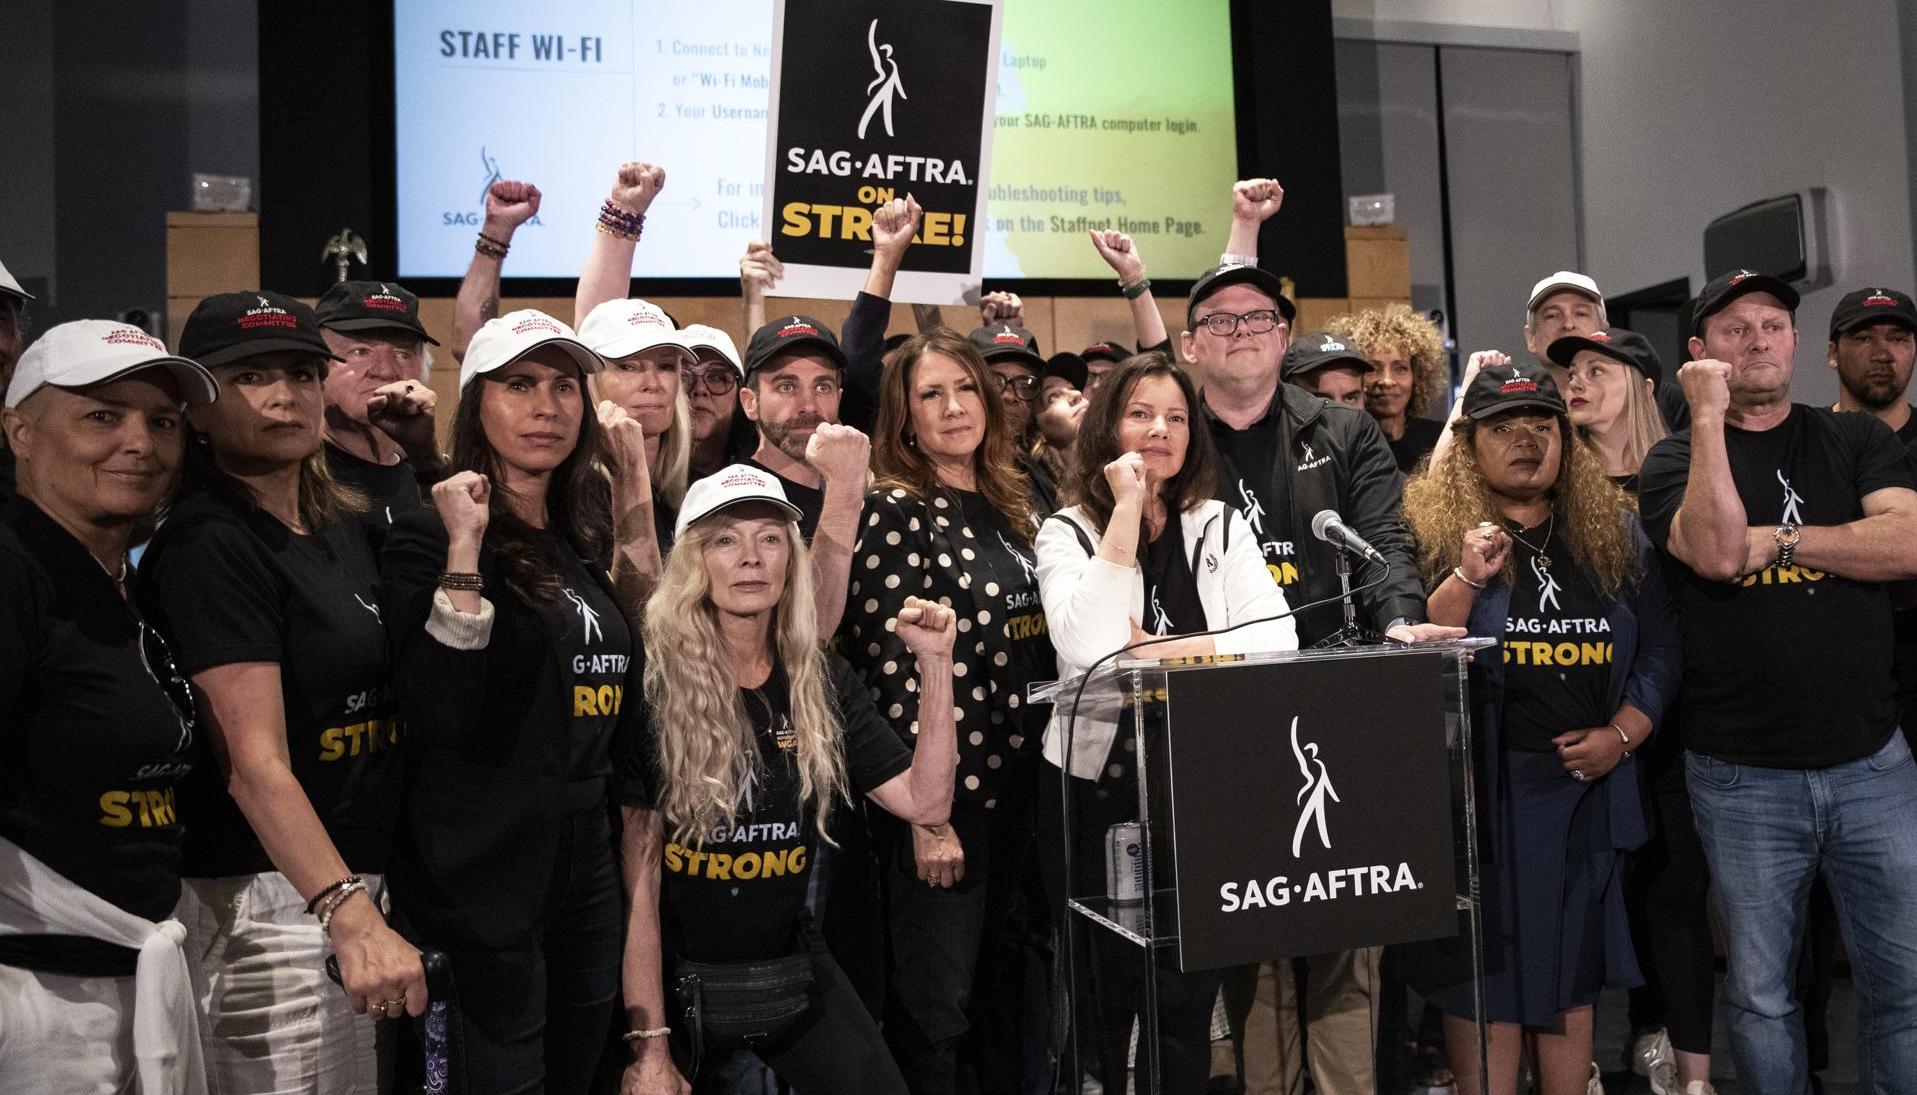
(1653, 1059)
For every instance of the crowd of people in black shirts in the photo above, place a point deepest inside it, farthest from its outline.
(670, 723)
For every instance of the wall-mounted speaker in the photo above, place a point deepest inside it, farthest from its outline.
(1786, 237)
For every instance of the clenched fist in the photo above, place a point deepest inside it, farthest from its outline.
(894, 224)
(1255, 200)
(840, 454)
(1121, 254)
(625, 451)
(403, 411)
(510, 203)
(637, 184)
(927, 628)
(1707, 387)
(759, 270)
(1001, 307)
(461, 500)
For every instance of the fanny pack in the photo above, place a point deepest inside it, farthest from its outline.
(741, 1005)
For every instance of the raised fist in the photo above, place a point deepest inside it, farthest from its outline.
(1707, 387)
(1483, 552)
(1001, 307)
(1121, 254)
(1479, 361)
(838, 453)
(1126, 476)
(759, 270)
(461, 500)
(637, 184)
(403, 411)
(510, 203)
(1255, 200)
(926, 627)
(894, 224)
(625, 450)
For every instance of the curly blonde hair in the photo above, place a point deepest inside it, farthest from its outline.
(1397, 327)
(1452, 498)
(707, 758)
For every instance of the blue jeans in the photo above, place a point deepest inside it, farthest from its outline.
(1766, 833)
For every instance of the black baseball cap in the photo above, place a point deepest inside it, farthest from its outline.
(1003, 342)
(229, 327)
(1616, 343)
(1716, 296)
(1500, 388)
(789, 333)
(1317, 350)
(1867, 306)
(371, 306)
(1232, 273)
(1069, 367)
(1104, 351)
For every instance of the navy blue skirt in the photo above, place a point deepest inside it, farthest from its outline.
(1555, 932)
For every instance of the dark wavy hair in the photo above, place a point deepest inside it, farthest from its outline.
(1097, 443)
(900, 464)
(578, 501)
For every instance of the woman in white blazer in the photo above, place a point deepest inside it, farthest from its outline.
(1145, 552)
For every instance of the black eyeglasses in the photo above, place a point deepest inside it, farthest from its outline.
(157, 657)
(715, 381)
(1024, 385)
(1258, 322)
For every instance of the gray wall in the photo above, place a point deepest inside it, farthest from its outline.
(110, 106)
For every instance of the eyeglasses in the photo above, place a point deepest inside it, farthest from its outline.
(1024, 386)
(1258, 322)
(714, 381)
(158, 660)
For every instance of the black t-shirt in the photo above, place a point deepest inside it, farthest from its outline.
(1249, 482)
(1172, 606)
(1557, 645)
(97, 724)
(810, 500)
(1004, 574)
(390, 489)
(740, 894)
(1420, 437)
(1626, 483)
(8, 486)
(595, 645)
(1789, 667)
(234, 585)
(1904, 620)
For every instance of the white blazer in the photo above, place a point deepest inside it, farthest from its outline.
(1091, 603)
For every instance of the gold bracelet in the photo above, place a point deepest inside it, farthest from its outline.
(1625, 736)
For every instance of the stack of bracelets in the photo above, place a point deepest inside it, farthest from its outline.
(617, 220)
(490, 247)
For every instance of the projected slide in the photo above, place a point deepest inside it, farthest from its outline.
(1111, 114)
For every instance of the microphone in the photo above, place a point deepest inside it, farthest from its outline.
(1331, 528)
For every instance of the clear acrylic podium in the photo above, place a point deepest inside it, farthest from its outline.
(1289, 804)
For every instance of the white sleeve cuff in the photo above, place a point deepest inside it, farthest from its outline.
(460, 630)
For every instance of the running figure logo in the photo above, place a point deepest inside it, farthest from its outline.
(1025, 564)
(1547, 585)
(1161, 623)
(373, 606)
(1254, 510)
(588, 619)
(1317, 787)
(492, 176)
(884, 85)
(1791, 499)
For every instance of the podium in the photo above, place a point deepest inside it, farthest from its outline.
(1289, 804)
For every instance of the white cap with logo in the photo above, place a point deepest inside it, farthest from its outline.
(505, 339)
(621, 328)
(11, 285)
(731, 486)
(86, 352)
(698, 337)
(1565, 281)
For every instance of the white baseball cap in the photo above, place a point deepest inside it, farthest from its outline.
(621, 328)
(698, 336)
(10, 284)
(505, 339)
(730, 486)
(86, 352)
(1565, 280)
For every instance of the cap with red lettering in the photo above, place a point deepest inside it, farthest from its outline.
(87, 352)
(1615, 343)
(352, 306)
(789, 334)
(1500, 388)
(229, 327)
(731, 486)
(701, 337)
(505, 339)
(1105, 351)
(1717, 296)
(1003, 342)
(1868, 306)
(622, 328)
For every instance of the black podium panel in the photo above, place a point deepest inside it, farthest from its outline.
(1309, 807)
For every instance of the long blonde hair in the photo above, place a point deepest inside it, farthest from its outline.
(669, 471)
(1643, 422)
(1452, 498)
(707, 755)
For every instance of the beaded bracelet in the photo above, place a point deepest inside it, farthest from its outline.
(318, 897)
(463, 580)
(617, 220)
(641, 1035)
(490, 247)
(326, 915)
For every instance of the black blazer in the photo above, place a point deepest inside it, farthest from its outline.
(486, 744)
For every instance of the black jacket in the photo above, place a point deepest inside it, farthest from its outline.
(488, 752)
(1349, 469)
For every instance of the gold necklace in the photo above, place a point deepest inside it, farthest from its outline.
(1544, 559)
